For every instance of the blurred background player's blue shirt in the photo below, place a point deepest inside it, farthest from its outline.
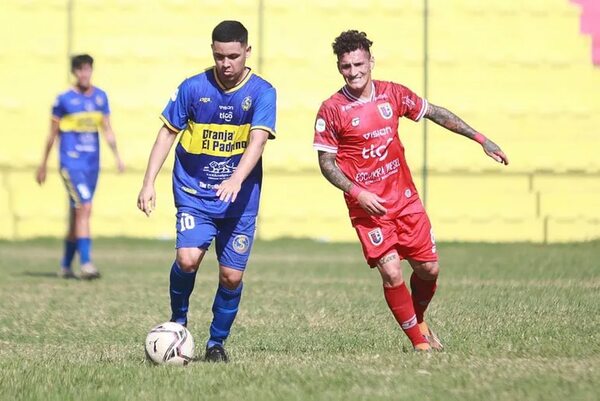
(80, 117)
(216, 123)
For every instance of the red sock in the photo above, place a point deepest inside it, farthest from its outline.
(400, 303)
(422, 292)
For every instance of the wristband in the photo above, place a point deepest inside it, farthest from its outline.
(479, 138)
(354, 191)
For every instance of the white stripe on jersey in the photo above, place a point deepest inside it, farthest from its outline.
(424, 107)
(325, 148)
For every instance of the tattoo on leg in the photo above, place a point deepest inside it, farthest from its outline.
(388, 258)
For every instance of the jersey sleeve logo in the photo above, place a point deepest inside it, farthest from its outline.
(174, 95)
(408, 102)
(385, 109)
(246, 103)
(320, 125)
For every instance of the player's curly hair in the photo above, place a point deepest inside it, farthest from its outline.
(351, 40)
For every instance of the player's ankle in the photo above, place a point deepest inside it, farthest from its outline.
(422, 347)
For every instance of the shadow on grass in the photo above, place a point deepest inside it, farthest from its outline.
(47, 275)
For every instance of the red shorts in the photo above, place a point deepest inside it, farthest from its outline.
(411, 235)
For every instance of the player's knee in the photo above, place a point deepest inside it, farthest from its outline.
(428, 270)
(84, 210)
(230, 278)
(392, 277)
(187, 263)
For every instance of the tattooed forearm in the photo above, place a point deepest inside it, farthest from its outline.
(452, 122)
(332, 172)
(449, 120)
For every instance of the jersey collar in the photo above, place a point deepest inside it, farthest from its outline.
(353, 98)
(249, 73)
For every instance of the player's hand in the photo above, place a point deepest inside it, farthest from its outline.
(147, 199)
(40, 175)
(494, 151)
(228, 189)
(371, 203)
(120, 165)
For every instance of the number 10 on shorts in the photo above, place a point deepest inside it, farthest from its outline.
(186, 222)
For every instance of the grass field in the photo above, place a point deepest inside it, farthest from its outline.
(519, 321)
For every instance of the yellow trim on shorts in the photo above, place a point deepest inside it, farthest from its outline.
(70, 189)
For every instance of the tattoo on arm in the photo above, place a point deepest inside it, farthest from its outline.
(332, 172)
(449, 120)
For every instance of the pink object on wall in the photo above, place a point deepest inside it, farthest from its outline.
(596, 50)
(590, 24)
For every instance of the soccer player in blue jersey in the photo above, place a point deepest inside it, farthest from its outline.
(225, 115)
(77, 116)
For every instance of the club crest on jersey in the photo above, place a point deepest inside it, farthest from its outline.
(355, 121)
(376, 236)
(385, 109)
(241, 244)
(246, 103)
(99, 101)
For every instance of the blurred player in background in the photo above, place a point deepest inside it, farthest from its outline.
(225, 114)
(77, 115)
(360, 152)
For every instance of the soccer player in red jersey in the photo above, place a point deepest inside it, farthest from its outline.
(360, 152)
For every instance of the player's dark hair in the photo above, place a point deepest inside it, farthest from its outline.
(80, 59)
(230, 31)
(349, 41)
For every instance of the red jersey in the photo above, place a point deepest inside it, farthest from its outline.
(364, 136)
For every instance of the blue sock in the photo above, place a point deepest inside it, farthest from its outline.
(70, 249)
(224, 309)
(84, 246)
(180, 287)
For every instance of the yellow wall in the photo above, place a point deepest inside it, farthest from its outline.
(518, 71)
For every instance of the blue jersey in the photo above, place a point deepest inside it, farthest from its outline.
(216, 124)
(79, 117)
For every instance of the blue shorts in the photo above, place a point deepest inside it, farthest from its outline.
(233, 235)
(80, 184)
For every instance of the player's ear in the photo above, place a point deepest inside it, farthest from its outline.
(372, 62)
(248, 51)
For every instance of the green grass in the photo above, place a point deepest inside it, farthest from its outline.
(519, 321)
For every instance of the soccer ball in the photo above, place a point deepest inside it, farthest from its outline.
(169, 343)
